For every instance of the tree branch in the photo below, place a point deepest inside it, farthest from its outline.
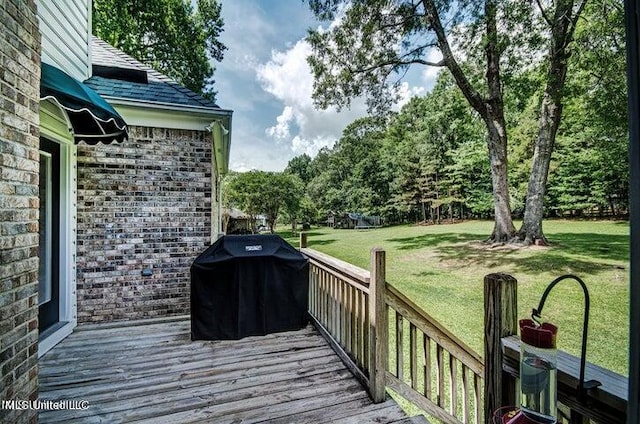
(474, 98)
(398, 63)
(574, 21)
(544, 14)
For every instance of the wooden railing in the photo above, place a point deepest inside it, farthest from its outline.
(429, 367)
(443, 375)
(339, 305)
(426, 364)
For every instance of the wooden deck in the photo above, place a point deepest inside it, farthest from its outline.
(154, 373)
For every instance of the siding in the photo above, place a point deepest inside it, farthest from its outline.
(19, 168)
(143, 204)
(66, 28)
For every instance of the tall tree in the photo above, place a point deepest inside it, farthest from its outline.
(300, 166)
(592, 148)
(375, 40)
(167, 35)
(561, 16)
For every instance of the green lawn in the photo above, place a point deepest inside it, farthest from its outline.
(441, 268)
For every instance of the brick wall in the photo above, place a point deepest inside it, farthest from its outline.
(19, 121)
(143, 204)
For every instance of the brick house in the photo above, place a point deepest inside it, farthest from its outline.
(99, 221)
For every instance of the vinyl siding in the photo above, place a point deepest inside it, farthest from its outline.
(66, 28)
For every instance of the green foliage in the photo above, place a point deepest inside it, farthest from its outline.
(260, 192)
(591, 163)
(300, 166)
(351, 176)
(167, 35)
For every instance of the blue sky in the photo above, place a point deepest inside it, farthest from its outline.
(265, 80)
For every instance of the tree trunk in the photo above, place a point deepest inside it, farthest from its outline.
(503, 228)
(491, 109)
(562, 28)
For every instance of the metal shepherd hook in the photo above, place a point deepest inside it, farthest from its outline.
(536, 315)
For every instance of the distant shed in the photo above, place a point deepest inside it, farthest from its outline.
(354, 221)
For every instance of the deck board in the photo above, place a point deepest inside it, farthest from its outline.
(154, 373)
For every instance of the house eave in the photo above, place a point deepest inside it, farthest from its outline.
(167, 115)
(121, 101)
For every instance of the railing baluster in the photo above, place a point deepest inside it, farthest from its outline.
(413, 355)
(440, 365)
(365, 331)
(323, 317)
(399, 347)
(318, 294)
(453, 385)
(426, 343)
(314, 290)
(336, 309)
(358, 329)
(339, 311)
(332, 305)
(343, 315)
(349, 314)
(336, 316)
(476, 399)
(466, 414)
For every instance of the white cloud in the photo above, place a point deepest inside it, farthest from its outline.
(288, 78)
(287, 75)
(406, 92)
(281, 129)
(430, 73)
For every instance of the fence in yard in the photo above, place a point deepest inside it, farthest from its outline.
(390, 342)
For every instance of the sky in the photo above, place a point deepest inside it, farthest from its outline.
(264, 78)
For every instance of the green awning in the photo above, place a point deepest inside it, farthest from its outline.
(91, 118)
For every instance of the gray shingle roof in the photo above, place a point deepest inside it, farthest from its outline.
(160, 88)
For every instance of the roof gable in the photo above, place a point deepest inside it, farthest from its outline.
(118, 75)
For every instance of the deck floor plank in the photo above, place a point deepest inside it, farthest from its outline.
(154, 373)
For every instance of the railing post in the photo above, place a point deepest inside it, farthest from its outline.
(500, 320)
(303, 240)
(379, 327)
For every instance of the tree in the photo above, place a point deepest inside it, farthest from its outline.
(244, 191)
(561, 16)
(260, 192)
(591, 165)
(375, 41)
(350, 176)
(167, 35)
(300, 166)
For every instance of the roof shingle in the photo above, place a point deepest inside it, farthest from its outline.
(160, 88)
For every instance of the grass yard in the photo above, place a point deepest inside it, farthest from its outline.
(441, 268)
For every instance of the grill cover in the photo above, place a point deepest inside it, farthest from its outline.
(248, 286)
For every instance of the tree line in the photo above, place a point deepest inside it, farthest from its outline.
(429, 162)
